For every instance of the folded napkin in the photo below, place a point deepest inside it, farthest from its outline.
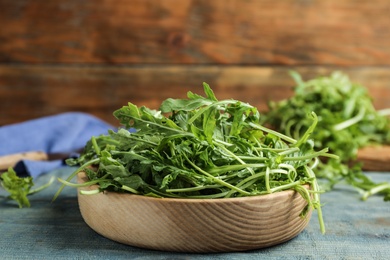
(62, 133)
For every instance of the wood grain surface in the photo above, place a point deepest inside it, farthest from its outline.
(32, 91)
(59, 56)
(194, 225)
(375, 158)
(257, 32)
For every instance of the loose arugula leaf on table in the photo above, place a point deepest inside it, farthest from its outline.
(20, 187)
(347, 122)
(200, 147)
(17, 187)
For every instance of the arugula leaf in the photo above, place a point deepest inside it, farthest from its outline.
(20, 187)
(17, 187)
(347, 121)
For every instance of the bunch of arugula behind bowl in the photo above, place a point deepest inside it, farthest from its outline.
(347, 121)
(200, 147)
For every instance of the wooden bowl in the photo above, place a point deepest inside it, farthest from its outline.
(194, 225)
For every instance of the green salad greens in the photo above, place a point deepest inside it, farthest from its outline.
(19, 188)
(347, 121)
(200, 147)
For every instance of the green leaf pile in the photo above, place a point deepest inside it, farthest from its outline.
(200, 147)
(18, 188)
(347, 121)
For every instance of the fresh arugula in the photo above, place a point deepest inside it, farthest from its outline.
(200, 147)
(20, 187)
(347, 121)
(17, 187)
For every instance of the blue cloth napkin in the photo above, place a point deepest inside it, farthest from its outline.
(62, 133)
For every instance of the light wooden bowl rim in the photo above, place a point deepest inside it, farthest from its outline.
(82, 177)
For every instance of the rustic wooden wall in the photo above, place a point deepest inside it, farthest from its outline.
(95, 56)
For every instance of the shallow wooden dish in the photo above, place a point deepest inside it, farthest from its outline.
(194, 225)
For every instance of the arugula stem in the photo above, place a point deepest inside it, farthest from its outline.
(211, 196)
(95, 145)
(235, 167)
(40, 188)
(288, 166)
(85, 184)
(81, 168)
(309, 131)
(235, 157)
(351, 121)
(306, 194)
(384, 112)
(127, 188)
(134, 138)
(135, 155)
(290, 123)
(285, 186)
(265, 129)
(90, 192)
(248, 184)
(322, 152)
(202, 110)
(289, 151)
(316, 202)
(217, 180)
(253, 158)
(250, 178)
(142, 140)
(159, 193)
(267, 187)
(223, 142)
(177, 130)
(315, 163)
(375, 190)
(191, 189)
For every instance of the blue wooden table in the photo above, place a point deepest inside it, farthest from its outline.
(355, 230)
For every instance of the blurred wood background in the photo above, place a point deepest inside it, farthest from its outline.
(95, 56)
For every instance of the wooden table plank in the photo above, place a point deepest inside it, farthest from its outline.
(33, 91)
(355, 230)
(196, 32)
